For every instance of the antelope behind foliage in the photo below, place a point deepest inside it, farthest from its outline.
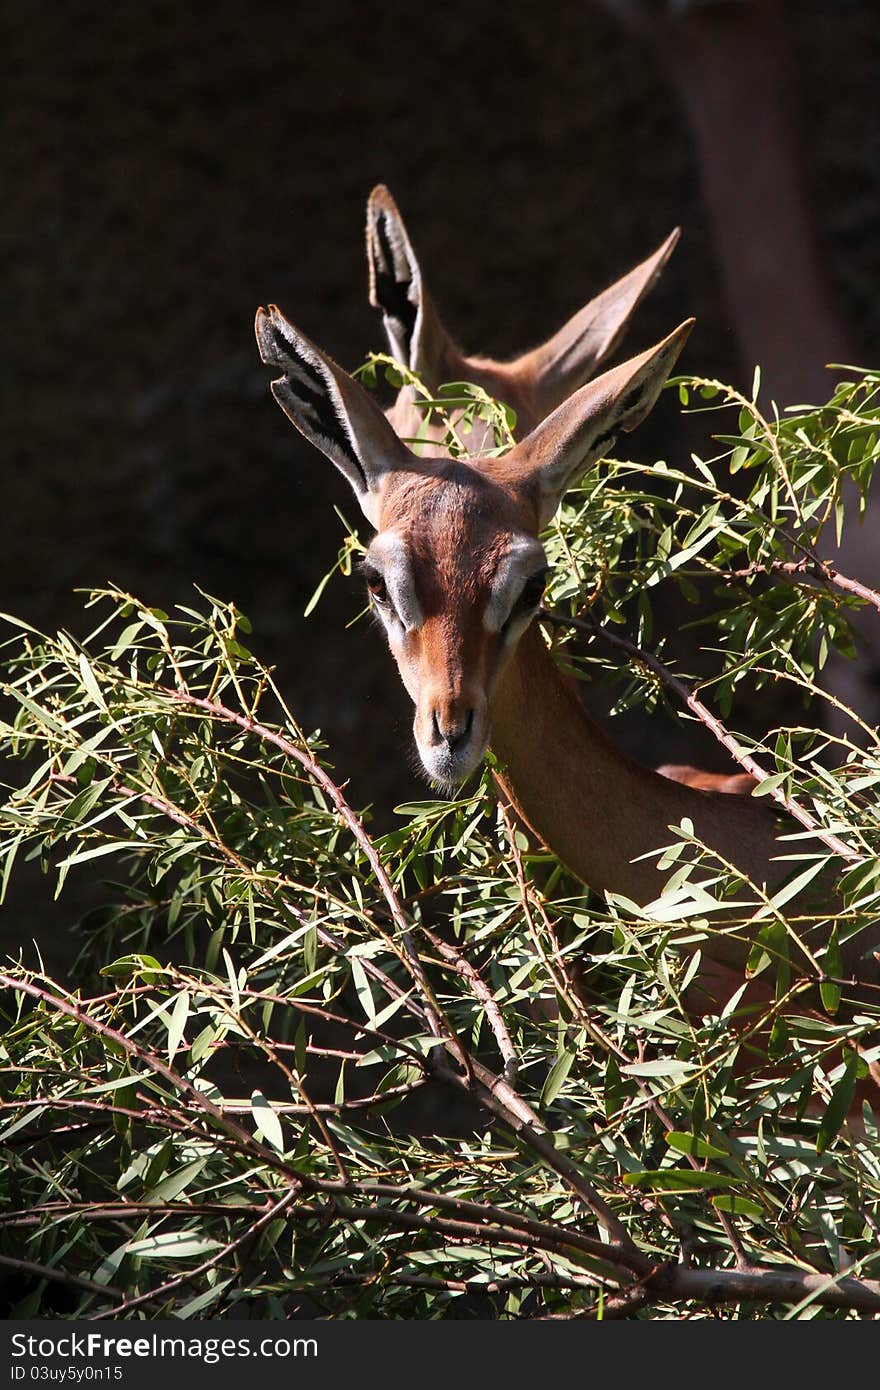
(456, 573)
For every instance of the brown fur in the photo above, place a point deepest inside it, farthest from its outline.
(448, 526)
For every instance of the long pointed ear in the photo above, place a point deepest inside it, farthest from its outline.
(561, 365)
(331, 409)
(559, 451)
(416, 335)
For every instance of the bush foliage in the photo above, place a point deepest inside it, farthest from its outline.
(306, 1070)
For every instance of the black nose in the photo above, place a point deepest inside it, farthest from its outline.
(453, 735)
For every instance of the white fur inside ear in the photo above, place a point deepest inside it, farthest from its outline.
(330, 408)
(403, 339)
(298, 375)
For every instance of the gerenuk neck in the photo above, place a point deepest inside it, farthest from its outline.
(595, 807)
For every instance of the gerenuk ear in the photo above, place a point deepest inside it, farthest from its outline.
(416, 335)
(331, 409)
(559, 451)
(561, 365)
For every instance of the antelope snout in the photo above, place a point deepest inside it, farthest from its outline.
(451, 736)
(451, 727)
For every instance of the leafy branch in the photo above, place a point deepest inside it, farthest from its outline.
(425, 1073)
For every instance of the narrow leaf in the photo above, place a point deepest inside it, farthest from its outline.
(362, 989)
(692, 1144)
(90, 683)
(839, 1103)
(267, 1121)
(177, 1022)
(175, 1183)
(678, 1180)
(556, 1077)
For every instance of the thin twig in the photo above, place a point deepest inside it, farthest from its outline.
(463, 967)
(567, 990)
(143, 1054)
(355, 825)
(711, 721)
(494, 1091)
(59, 1276)
(813, 571)
(273, 1209)
(757, 1284)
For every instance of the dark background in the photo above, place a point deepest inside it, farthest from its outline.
(169, 167)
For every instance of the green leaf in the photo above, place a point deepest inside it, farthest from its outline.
(267, 1121)
(41, 715)
(196, 1306)
(833, 965)
(177, 1023)
(173, 1245)
(316, 596)
(695, 1146)
(792, 888)
(664, 1067)
(736, 1205)
(125, 640)
(126, 967)
(613, 1089)
(391, 1009)
(116, 847)
(15, 1125)
(310, 948)
(300, 1044)
(556, 1077)
(839, 1103)
(362, 989)
(174, 1184)
(203, 1043)
(90, 683)
(779, 1043)
(678, 1180)
(770, 784)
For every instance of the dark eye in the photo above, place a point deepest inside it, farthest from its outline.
(532, 591)
(530, 597)
(375, 584)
